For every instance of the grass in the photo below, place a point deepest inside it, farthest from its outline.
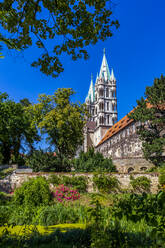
(21, 230)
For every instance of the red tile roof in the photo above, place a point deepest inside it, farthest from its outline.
(125, 121)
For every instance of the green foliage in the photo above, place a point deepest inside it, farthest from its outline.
(79, 23)
(59, 213)
(136, 207)
(5, 172)
(5, 212)
(16, 129)
(151, 114)
(90, 161)
(77, 182)
(105, 183)
(4, 199)
(62, 120)
(33, 193)
(162, 177)
(73, 237)
(46, 161)
(22, 215)
(141, 184)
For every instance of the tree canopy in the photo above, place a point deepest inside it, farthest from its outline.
(91, 161)
(16, 129)
(71, 25)
(151, 114)
(62, 120)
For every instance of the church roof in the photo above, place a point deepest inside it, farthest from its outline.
(104, 70)
(125, 121)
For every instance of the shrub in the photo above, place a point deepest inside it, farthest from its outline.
(47, 161)
(19, 160)
(64, 193)
(91, 161)
(5, 172)
(33, 193)
(55, 179)
(4, 199)
(141, 184)
(162, 177)
(4, 214)
(136, 207)
(77, 182)
(106, 184)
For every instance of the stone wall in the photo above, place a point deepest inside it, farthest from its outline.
(123, 144)
(16, 179)
(127, 165)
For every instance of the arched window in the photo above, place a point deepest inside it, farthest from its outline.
(107, 119)
(130, 170)
(107, 92)
(102, 106)
(107, 105)
(101, 93)
(96, 97)
(100, 120)
(96, 110)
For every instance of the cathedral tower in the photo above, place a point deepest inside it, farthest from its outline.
(102, 102)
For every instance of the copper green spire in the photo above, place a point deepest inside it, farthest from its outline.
(91, 93)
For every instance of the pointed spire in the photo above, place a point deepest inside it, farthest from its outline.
(91, 92)
(91, 77)
(104, 70)
(97, 78)
(112, 77)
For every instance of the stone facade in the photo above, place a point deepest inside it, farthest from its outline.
(123, 144)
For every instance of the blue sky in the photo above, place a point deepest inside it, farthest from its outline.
(136, 52)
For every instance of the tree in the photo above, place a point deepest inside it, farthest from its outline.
(93, 161)
(70, 24)
(61, 120)
(16, 129)
(5, 41)
(25, 102)
(151, 114)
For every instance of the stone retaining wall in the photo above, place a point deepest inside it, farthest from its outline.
(127, 165)
(16, 179)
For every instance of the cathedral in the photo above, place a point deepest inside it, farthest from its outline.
(103, 131)
(101, 102)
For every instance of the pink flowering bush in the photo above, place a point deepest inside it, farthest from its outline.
(65, 193)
